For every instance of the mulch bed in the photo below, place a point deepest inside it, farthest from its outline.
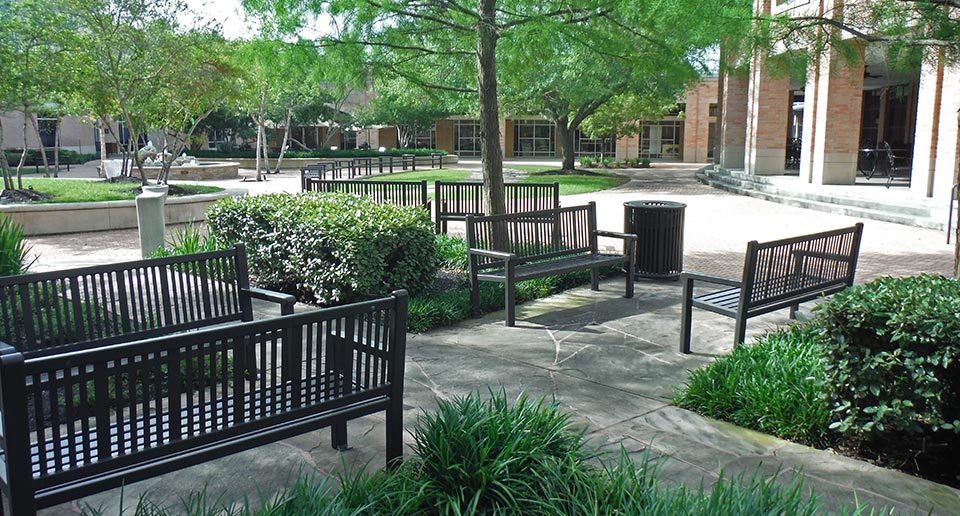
(22, 196)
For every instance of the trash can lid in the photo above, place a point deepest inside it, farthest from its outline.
(654, 204)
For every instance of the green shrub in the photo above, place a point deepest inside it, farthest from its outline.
(773, 386)
(13, 250)
(34, 158)
(329, 248)
(892, 349)
(496, 457)
(587, 162)
(645, 163)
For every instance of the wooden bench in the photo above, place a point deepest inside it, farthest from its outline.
(400, 193)
(456, 200)
(776, 274)
(82, 422)
(538, 244)
(89, 307)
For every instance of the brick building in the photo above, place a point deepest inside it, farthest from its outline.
(832, 126)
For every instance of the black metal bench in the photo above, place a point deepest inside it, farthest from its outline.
(314, 171)
(538, 244)
(81, 422)
(776, 275)
(88, 307)
(400, 193)
(456, 200)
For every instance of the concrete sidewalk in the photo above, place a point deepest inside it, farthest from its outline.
(612, 363)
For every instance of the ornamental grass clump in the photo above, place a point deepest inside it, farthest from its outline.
(13, 250)
(329, 248)
(773, 385)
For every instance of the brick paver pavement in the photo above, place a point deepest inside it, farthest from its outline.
(718, 225)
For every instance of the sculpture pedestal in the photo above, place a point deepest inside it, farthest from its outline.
(151, 218)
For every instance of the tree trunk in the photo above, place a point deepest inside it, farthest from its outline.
(4, 166)
(23, 155)
(567, 145)
(491, 154)
(43, 148)
(258, 147)
(286, 138)
(56, 149)
(103, 141)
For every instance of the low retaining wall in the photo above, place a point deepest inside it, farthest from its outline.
(298, 163)
(79, 217)
(204, 171)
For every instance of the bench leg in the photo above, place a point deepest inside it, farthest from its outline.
(474, 298)
(686, 317)
(630, 280)
(740, 331)
(510, 294)
(595, 278)
(793, 311)
(394, 436)
(338, 436)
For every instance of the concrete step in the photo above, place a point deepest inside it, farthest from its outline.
(919, 213)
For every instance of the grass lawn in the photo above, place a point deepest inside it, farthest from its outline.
(531, 169)
(572, 184)
(75, 190)
(437, 174)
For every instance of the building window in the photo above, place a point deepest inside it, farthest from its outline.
(662, 139)
(534, 138)
(714, 110)
(348, 139)
(586, 146)
(216, 139)
(466, 137)
(426, 139)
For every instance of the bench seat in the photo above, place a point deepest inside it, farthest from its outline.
(533, 270)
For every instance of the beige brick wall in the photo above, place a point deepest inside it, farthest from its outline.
(837, 83)
(768, 109)
(696, 126)
(732, 127)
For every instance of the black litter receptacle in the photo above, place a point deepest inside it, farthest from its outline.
(659, 229)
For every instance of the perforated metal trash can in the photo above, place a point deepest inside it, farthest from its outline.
(659, 229)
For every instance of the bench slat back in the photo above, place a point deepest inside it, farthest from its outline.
(536, 235)
(106, 408)
(466, 198)
(782, 269)
(91, 306)
(400, 193)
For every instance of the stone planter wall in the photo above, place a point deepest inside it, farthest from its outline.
(48, 219)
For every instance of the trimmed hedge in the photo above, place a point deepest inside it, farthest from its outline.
(34, 159)
(892, 349)
(329, 248)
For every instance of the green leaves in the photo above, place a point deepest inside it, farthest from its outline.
(13, 250)
(330, 248)
(891, 349)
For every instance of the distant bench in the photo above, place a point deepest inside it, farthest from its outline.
(400, 193)
(81, 422)
(538, 244)
(776, 274)
(89, 307)
(455, 200)
(350, 168)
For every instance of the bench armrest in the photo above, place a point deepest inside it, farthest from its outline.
(615, 234)
(492, 254)
(710, 278)
(286, 301)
